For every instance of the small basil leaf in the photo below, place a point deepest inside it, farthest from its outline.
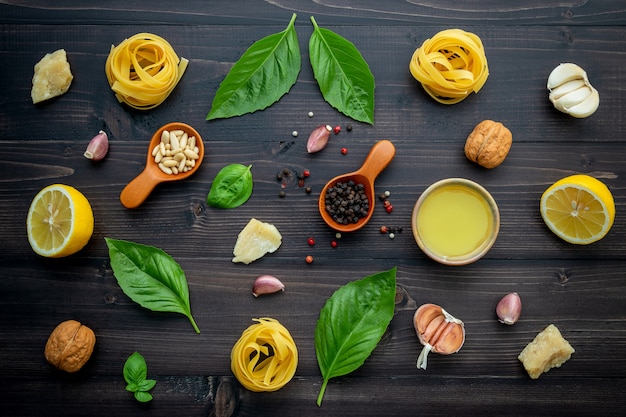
(231, 187)
(135, 371)
(132, 387)
(150, 277)
(261, 76)
(343, 75)
(351, 324)
(143, 397)
(147, 385)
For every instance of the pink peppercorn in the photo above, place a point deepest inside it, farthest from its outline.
(389, 208)
(334, 244)
(344, 151)
(306, 173)
(309, 259)
(337, 129)
(311, 241)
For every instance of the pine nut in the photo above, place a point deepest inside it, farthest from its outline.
(165, 169)
(165, 137)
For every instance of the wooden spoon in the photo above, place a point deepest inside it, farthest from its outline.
(139, 188)
(377, 160)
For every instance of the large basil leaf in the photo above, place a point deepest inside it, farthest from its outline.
(351, 324)
(231, 187)
(150, 277)
(342, 74)
(261, 76)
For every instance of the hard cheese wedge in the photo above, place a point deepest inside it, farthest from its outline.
(255, 240)
(548, 350)
(52, 77)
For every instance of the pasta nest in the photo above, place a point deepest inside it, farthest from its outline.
(265, 357)
(143, 70)
(450, 65)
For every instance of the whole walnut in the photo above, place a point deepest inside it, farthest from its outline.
(488, 144)
(70, 346)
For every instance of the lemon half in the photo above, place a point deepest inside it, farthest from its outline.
(60, 221)
(579, 209)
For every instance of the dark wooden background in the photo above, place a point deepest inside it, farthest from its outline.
(581, 289)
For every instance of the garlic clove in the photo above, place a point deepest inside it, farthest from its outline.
(509, 308)
(565, 72)
(587, 107)
(267, 284)
(98, 147)
(318, 138)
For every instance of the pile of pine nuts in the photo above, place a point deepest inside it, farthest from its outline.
(176, 153)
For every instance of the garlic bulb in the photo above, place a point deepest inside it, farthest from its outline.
(571, 92)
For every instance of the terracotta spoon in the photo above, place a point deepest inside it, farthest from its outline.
(140, 188)
(377, 160)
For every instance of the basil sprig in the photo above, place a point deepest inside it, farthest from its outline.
(231, 187)
(351, 324)
(136, 374)
(150, 277)
(261, 76)
(342, 74)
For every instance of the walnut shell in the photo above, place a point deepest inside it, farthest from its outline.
(488, 144)
(70, 346)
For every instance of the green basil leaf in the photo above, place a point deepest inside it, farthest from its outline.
(150, 277)
(351, 324)
(231, 187)
(135, 371)
(342, 74)
(261, 76)
(147, 385)
(143, 397)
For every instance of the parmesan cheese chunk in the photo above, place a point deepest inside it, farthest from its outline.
(548, 350)
(52, 77)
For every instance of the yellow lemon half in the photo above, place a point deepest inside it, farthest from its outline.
(60, 221)
(579, 209)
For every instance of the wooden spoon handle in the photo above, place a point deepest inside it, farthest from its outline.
(138, 190)
(380, 156)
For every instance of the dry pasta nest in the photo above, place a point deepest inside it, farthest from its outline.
(143, 70)
(450, 65)
(265, 357)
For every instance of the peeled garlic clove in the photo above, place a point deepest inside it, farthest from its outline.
(318, 138)
(98, 147)
(509, 308)
(571, 92)
(565, 72)
(267, 284)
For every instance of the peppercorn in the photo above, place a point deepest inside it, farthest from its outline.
(389, 208)
(301, 183)
(344, 151)
(387, 203)
(392, 235)
(334, 244)
(384, 229)
(349, 128)
(309, 259)
(281, 194)
(308, 190)
(311, 241)
(306, 173)
(346, 202)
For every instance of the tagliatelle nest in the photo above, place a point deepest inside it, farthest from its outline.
(450, 65)
(265, 357)
(143, 70)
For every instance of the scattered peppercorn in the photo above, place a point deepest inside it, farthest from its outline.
(384, 229)
(311, 114)
(344, 151)
(387, 194)
(392, 235)
(334, 244)
(308, 190)
(306, 173)
(349, 128)
(337, 129)
(311, 241)
(346, 202)
(294, 133)
(301, 183)
(389, 208)
(309, 259)
(281, 194)
(387, 203)
(338, 235)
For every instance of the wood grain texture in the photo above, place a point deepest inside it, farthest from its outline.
(581, 289)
